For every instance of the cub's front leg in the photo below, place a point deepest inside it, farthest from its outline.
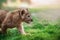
(21, 29)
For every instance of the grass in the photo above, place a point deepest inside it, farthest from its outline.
(37, 31)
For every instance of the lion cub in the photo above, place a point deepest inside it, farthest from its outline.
(14, 19)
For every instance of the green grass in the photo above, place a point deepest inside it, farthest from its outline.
(37, 31)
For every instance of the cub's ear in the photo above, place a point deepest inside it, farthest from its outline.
(22, 12)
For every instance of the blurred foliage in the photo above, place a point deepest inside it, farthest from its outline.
(13, 0)
(1, 1)
(32, 10)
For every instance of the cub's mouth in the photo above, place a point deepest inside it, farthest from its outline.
(29, 21)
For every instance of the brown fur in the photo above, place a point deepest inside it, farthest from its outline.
(14, 19)
(2, 15)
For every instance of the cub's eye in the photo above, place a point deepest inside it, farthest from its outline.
(28, 16)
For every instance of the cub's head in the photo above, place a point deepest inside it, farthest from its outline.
(25, 15)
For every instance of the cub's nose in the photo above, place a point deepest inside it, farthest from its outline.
(31, 20)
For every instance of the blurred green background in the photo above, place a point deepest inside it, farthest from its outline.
(45, 26)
